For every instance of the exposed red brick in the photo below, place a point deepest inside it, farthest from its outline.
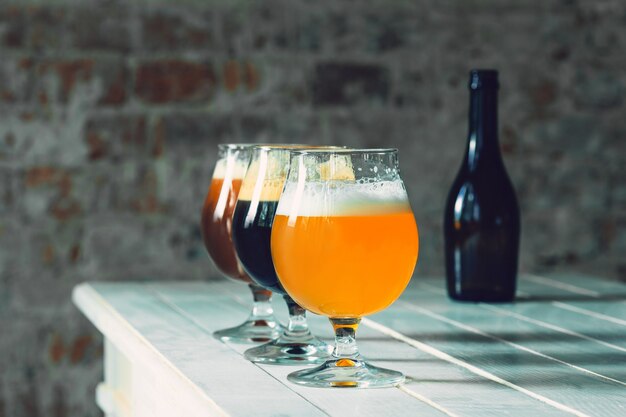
(148, 201)
(174, 81)
(14, 34)
(544, 93)
(56, 351)
(135, 132)
(27, 116)
(509, 139)
(251, 76)
(26, 63)
(79, 347)
(112, 73)
(42, 97)
(116, 94)
(69, 72)
(230, 74)
(8, 96)
(148, 204)
(198, 37)
(65, 208)
(507, 148)
(97, 147)
(115, 137)
(65, 185)
(47, 255)
(13, 11)
(42, 175)
(159, 139)
(161, 30)
(14, 38)
(72, 71)
(74, 254)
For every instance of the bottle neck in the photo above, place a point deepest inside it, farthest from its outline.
(482, 140)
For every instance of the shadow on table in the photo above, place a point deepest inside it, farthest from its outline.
(564, 298)
(515, 337)
(520, 358)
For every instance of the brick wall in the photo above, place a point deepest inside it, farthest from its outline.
(110, 112)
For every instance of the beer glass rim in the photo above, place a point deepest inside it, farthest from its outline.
(280, 146)
(344, 151)
(231, 146)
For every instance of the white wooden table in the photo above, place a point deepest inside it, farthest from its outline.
(560, 350)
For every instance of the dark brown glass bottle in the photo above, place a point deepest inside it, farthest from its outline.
(482, 220)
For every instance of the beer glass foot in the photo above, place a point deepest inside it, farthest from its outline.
(261, 326)
(347, 373)
(253, 330)
(290, 351)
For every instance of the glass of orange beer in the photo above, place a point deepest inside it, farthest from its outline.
(344, 244)
(216, 222)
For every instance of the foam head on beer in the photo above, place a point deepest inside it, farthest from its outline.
(269, 165)
(266, 175)
(254, 214)
(344, 239)
(230, 166)
(334, 189)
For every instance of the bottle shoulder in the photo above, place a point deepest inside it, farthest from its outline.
(480, 198)
(484, 179)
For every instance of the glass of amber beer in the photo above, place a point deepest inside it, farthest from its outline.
(252, 226)
(217, 214)
(344, 244)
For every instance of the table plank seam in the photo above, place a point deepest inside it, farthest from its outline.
(426, 400)
(561, 285)
(589, 313)
(550, 326)
(567, 287)
(205, 330)
(472, 368)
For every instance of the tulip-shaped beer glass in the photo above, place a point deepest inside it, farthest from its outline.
(252, 225)
(344, 243)
(217, 214)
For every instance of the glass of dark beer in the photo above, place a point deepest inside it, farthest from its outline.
(252, 225)
(217, 213)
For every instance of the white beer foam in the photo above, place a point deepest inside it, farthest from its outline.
(265, 177)
(230, 167)
(342, 198)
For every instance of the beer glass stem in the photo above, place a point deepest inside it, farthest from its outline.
(298, 325)
(262, 305)
(345, 337)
